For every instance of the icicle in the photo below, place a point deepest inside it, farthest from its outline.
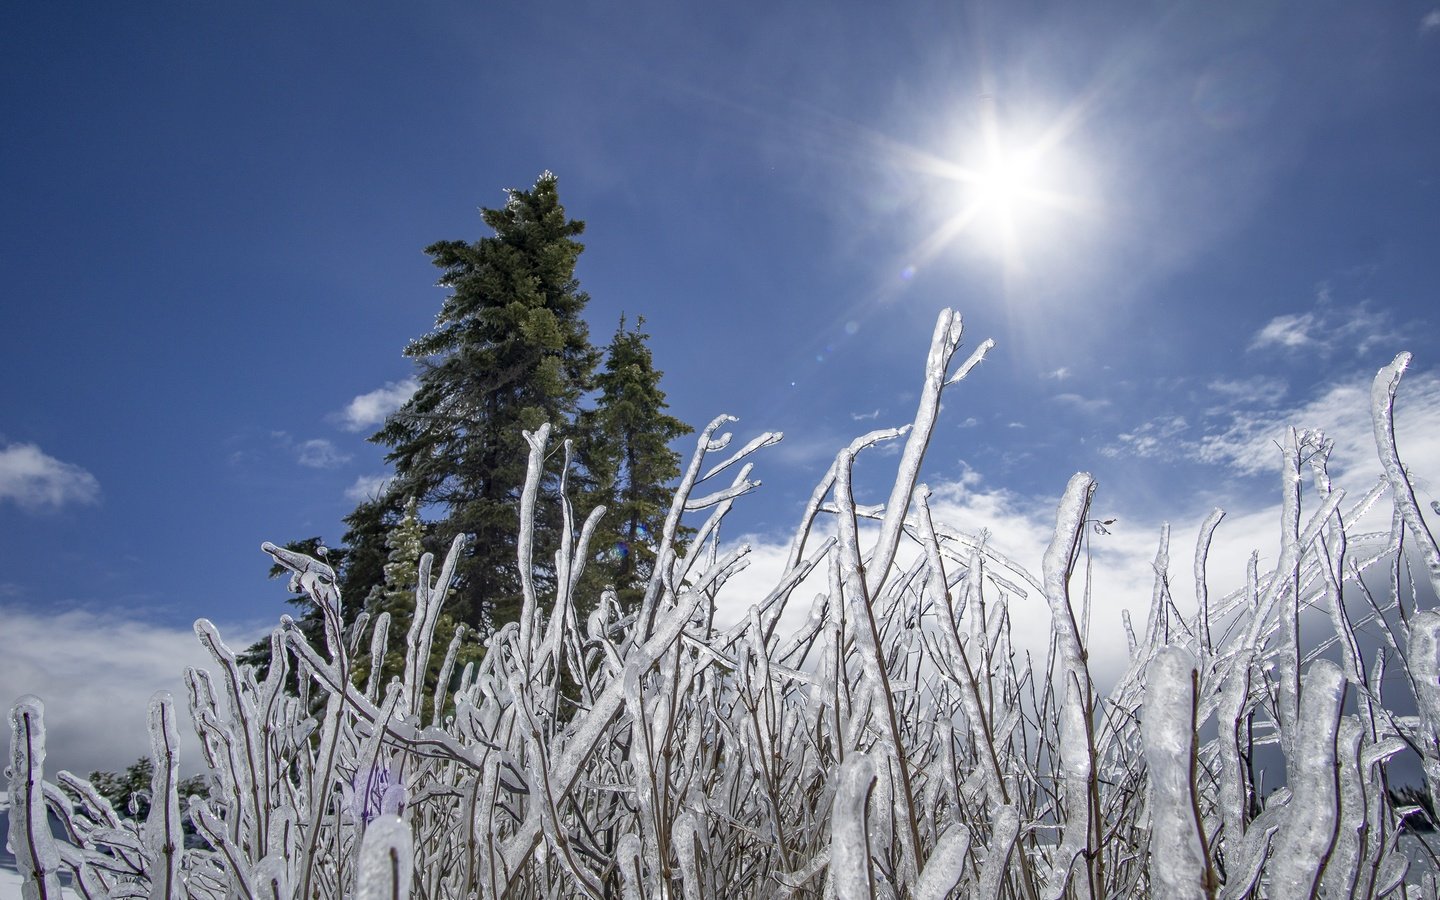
(1059, 559)
(271, 879)
(685, 838)
(1076, 772)
(1232, 785)
(379, 639)
(1343, 869)
(1202, 552)
(1249, 856)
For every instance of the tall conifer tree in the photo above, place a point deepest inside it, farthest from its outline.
(509, 351)
(629, 456)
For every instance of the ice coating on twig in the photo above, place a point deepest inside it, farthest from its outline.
(1303, 844)
(36, 856)
(850, 867)
(386, 861)
(163, 837)
(1177, 844)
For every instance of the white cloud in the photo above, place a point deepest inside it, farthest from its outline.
(1084, 405)
(1250, 443)
(368, 410)
(1285, 331)
(865, 417)
(96, 674)
(1159, 438)
(1329, 327)
(34, 480)
(320, 454)
(1059, 374)
(367, 487)
(1431, 22)
(970, 422)
(1249, 438)
(1258, 391)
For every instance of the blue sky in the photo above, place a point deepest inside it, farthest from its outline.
(1224, 218)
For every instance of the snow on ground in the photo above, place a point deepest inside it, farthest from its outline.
(10, 886)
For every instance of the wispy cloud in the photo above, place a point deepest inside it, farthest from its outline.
(1328, 328)
(1089, 406)
(865, 417)
(36, 481)
(1247, 438)
(1430, 22)
(1250, 441)
(319, 453)
(1290, 332)
(1059, 374)
(316, 453)
(1160, 438)
(369, 410)
(1257, 391)
(367, 487)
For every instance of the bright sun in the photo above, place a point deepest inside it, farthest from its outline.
(1004, 190)
(1004, 184)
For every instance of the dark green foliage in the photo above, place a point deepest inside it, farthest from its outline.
(509, 352)
(395, 594)
(129, 791)
(366, 549)
(628, 438)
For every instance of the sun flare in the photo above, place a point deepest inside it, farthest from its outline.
(1006, 188)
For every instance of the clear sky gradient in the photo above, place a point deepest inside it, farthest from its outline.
(1185, 225)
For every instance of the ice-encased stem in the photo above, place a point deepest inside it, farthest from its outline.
(1178, 864)
(1307, 835)
(851, 872)
(1004, 828)
(1424, 663)
(36, 856)
(1382, 413)
(946, 866)
(387, 859)
(164, 839)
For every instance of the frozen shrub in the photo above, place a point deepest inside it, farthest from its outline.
(894, 746)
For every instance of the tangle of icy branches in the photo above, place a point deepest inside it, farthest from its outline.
(896, 745)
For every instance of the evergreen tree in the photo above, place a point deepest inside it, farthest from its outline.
(129, 791)
(366, 549)
(629, 456)
(396, 595)
(509, 351)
